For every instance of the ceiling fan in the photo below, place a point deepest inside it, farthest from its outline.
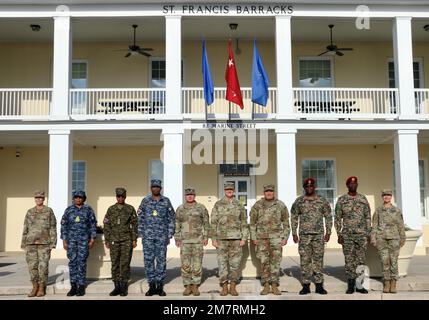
(135, 49)
(332, 48)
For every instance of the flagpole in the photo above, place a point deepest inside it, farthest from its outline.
(253, 111)
(229, 112)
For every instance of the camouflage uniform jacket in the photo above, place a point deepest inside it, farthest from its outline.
(120, 223)
(192, 223)
(78, 223)
(156, 218)
(353, 215)
(269, 219)
(39, 227)
(309, 214)
(229, 220)
(388, 223)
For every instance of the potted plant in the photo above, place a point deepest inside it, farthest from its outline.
(99, 265)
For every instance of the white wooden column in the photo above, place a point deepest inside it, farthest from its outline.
(286, 165)
(61, 68)
(407, 177)
(173, 165)
(403, 57)
(173, 66)
(284, 67)
(60, 173)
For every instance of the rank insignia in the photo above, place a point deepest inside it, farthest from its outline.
(77, 219)
(154, 213)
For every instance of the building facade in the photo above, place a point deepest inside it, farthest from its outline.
(76, 113)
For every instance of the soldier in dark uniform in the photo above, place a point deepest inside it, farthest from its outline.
(120, 234)
(156, 218)
(78, 232)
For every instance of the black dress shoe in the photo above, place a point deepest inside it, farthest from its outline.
(320, 289)
(116, 291)
(124, 289)
(351, 286)
(73, 290)
(152, 290)
(160, 289)
(80, 291)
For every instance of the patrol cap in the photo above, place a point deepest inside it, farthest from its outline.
(80, 194)
(121, 191)
(39, 194)
(269, 187)
(309, 181)
(386, 192)
(229, 186)
(155, 183)
(351, 179)
(189, 191)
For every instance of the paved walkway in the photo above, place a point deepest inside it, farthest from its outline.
(15, 284)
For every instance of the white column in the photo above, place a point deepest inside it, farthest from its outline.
(407, 177)
(284, 67)
(173, 65)
(403, 57)
(60, 172)
(61, 68)
(286, 165)
(173, 165)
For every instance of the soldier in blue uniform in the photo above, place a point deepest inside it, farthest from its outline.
(156, 218)
(78, 231)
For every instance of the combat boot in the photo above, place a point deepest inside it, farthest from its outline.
(320, 289)
(275, 289)
(42, 289)
(115, 291)
(123, 286)
(160, 289)
(73, 290)
(386, 287)
(80, 291)
(152, 289)
(393, 286)
(361, 290)
(351, 283)
(188, 290)
(224, 291)
(305, 289)
(266, 289)
(34, 290)
(232, 289)
(195, 291)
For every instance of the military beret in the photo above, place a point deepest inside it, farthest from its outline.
(309, 181)
(39, 194)
(386, 192)
(155, 183)
(80, 194)
(121, 192)
(269, 187)
(229, 186)
(189, 191)
(351, 179)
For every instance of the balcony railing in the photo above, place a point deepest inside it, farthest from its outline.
(346, 102)
(194, 106)
(25, 103)
(117, 103)
(422, 101)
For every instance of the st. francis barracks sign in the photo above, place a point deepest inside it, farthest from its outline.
(243, 10)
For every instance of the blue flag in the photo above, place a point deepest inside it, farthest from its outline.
(207, 78)
(260, 82)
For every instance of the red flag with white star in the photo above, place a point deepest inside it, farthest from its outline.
(233, 91)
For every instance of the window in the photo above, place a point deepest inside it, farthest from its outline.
(315, 72)
(79, 175)
(417, 72)
(79, 74)
(157, 73)
(156, 170)
(324, 173)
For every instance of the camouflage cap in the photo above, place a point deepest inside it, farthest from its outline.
(229, 186)
(309, 181)
(155, 183)
(120, 191)
(189, 191)
(39, 194)
(351, 179)
(79, 194)
(269, 187)
(386, 192)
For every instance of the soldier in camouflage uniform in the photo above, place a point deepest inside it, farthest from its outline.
(229, 233)
(78, 232)
(156, 218)
(353, 226)
(269, 231)
(120, 234)
(39, 237)
(192, 229)
(388, 236)
(308, 211)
